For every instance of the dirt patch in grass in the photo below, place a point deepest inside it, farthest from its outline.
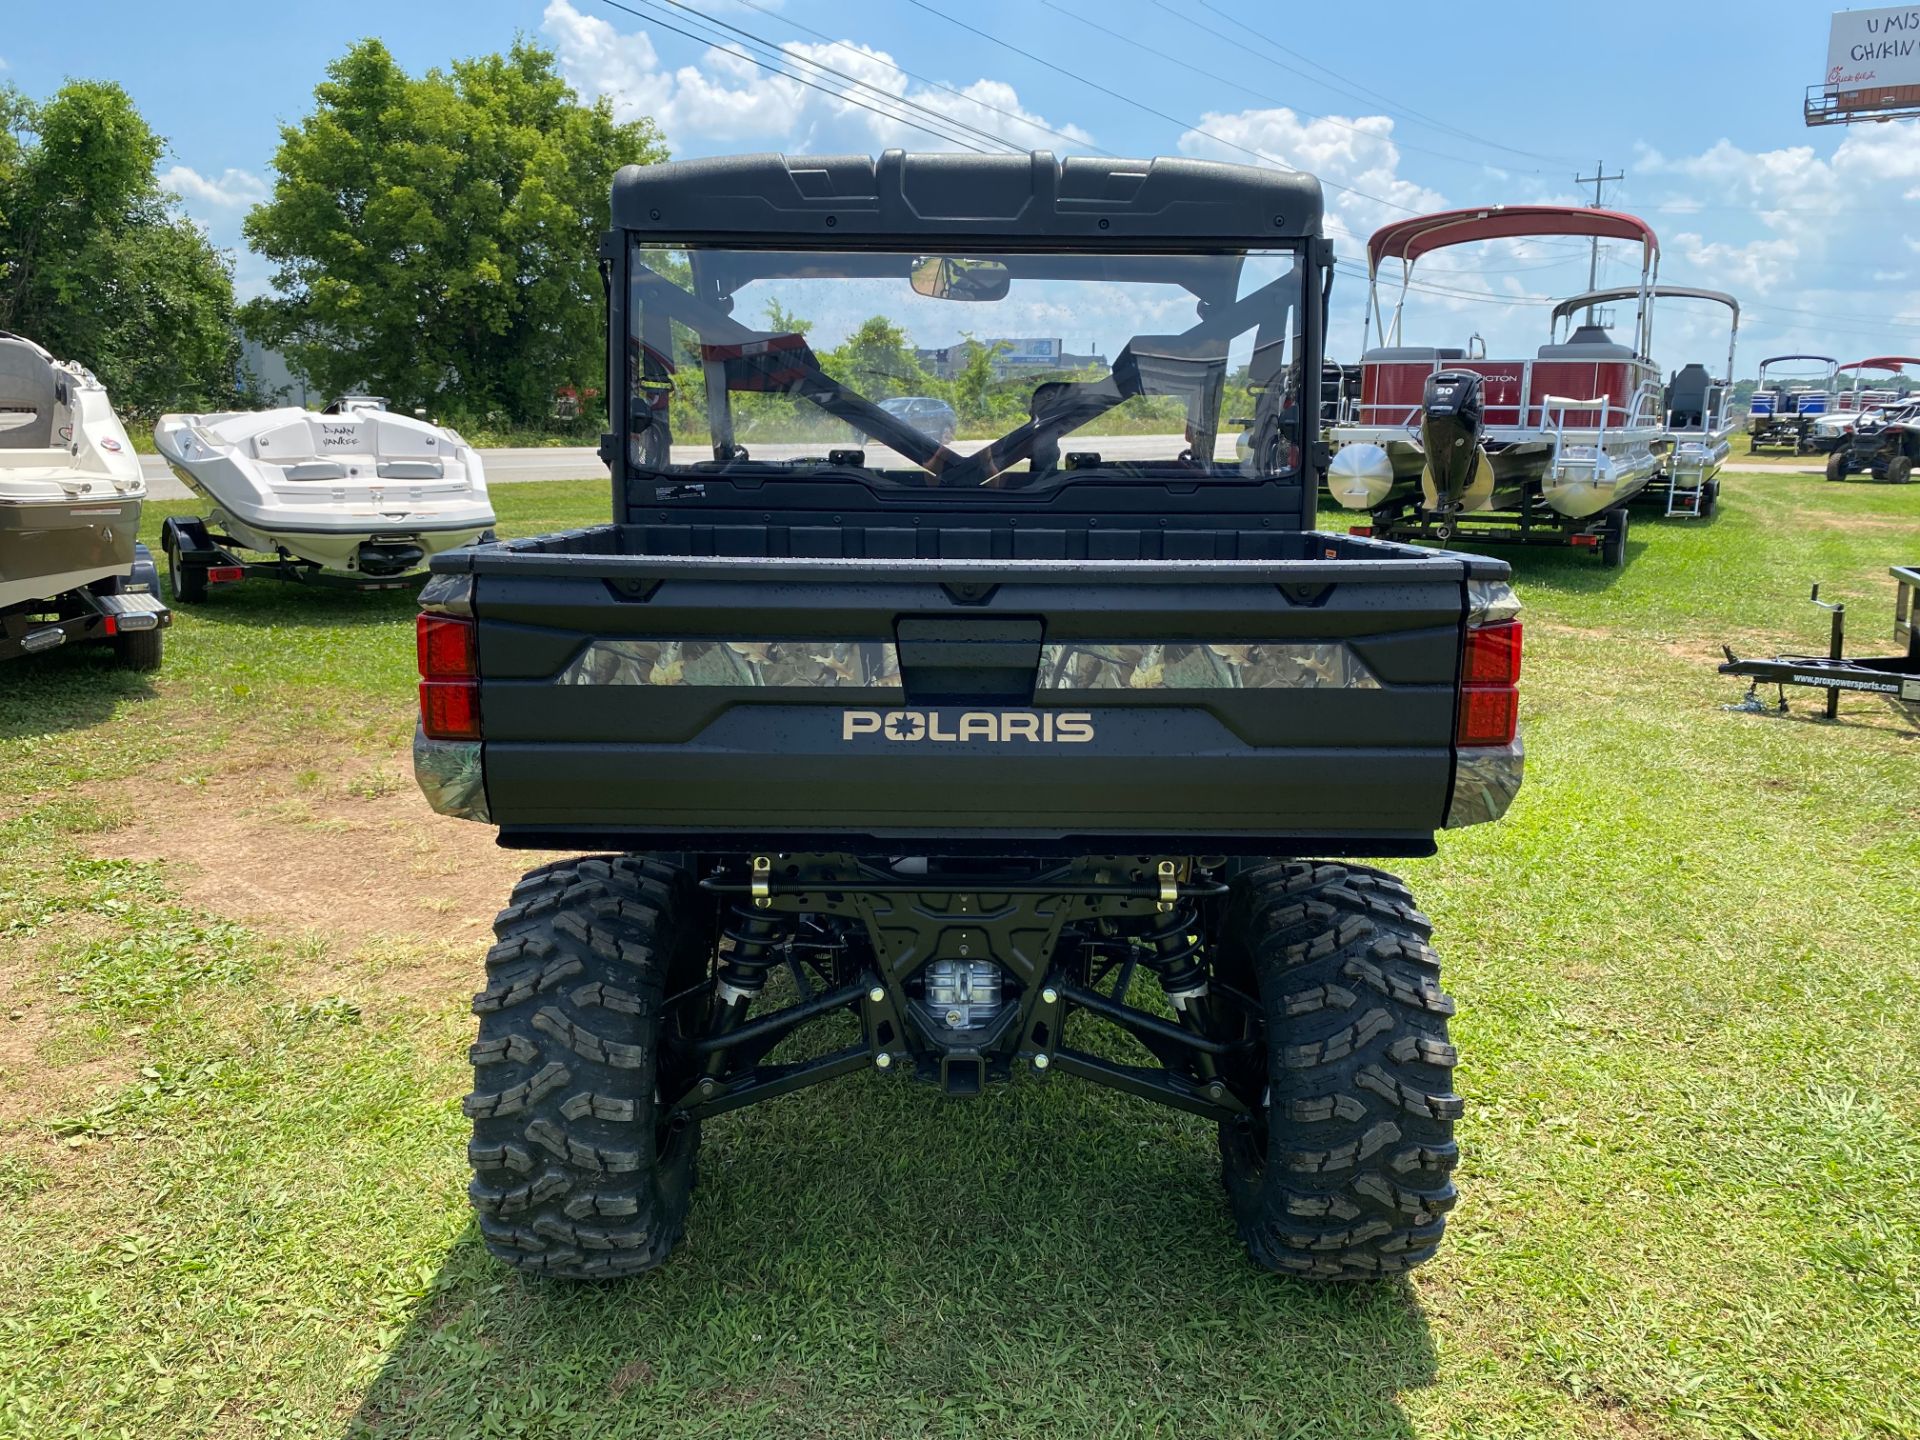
(333, 855)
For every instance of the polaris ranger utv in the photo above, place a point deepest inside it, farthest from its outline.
(959, 760)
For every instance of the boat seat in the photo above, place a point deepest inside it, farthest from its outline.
(314, 470)
(1387, 354)
(410, 469)
(29, 392)
(1589, 342)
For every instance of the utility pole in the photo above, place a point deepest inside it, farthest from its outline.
(1597, 179)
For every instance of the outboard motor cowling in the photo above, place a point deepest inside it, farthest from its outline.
(1458, 473)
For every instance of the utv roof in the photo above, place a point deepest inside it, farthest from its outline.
(1010, 201)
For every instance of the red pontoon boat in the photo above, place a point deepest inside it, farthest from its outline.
(1560, 439)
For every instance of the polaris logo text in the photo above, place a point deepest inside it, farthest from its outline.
(994, 727)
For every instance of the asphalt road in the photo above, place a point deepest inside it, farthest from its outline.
(509, 467)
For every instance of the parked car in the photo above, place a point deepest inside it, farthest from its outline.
(932, 417)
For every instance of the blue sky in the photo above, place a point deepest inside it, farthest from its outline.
(1408, 107)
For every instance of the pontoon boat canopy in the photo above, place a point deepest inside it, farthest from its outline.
(1632, 292)
(1408, 240)
(1884, 362)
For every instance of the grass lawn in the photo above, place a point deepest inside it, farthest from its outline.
(236, 950)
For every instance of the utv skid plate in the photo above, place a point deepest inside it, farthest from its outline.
(860, 937)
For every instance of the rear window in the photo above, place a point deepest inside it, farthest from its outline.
(989, 370)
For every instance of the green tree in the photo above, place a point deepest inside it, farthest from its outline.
(97, 264)
(877, 362)
(972, 387)
(436, 236)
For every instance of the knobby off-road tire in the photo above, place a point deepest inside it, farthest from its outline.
(575, 1172)
(1347, 1175)
(1836, 467)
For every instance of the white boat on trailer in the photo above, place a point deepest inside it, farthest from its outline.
(355, 492)
(1560, 440)
(72, 569)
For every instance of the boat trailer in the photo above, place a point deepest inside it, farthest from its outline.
(1896, 676)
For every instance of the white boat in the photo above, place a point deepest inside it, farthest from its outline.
(1563, 435)
(355, 488)
(70, 483)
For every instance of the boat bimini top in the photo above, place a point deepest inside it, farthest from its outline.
(1407, 240)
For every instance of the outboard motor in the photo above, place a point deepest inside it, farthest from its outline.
(1458, 474)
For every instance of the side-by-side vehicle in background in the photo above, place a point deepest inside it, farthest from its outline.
(1787, 403)
(1831, 430)
(355, 494)
(957, 766)
(1541, 448)
(72, 570)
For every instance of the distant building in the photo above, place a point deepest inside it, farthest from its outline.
(266, 379)
(1010, 357)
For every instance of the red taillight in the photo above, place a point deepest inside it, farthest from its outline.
(446, 648)
(225, 574)
(1493, 654)
(1489, 715)
(450, 709)
(449, 677)
(112, 627)
(1489, 672)
(1359, 530)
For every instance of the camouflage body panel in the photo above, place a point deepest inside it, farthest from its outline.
(449, 775)
(1484, 784)
(861, 664)
(1276, 665)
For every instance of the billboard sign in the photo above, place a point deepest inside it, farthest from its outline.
(1874, 49)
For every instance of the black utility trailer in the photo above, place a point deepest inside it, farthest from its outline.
(124, 611)
(1895, 676)
(962, 763)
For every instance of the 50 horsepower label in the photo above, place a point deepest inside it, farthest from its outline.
(992, 727)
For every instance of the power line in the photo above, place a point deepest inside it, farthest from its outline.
(785, 74)
(887, 95)
(1332, 120)
(1186, 125)
(933, 84)
(1370, 97)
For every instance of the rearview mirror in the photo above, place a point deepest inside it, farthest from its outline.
(941, 277)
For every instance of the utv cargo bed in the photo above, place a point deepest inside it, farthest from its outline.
(1303, 701)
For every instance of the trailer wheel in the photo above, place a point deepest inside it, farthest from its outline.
(577, 1172)
(1710, 500)
(1344, 1171)
(1613, 542)
(186, 581)
(140, 649)
(1836, 466)
(1899, 469)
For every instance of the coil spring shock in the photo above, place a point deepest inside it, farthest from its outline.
(1175, 958)
(743, 973)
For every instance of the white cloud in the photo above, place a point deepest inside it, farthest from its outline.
(855, 97)
(233, 190)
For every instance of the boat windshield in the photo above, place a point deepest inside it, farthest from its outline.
(965, 369)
